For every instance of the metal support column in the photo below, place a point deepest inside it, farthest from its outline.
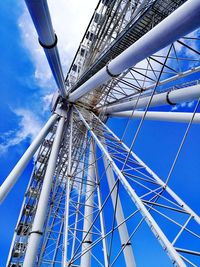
(68, 191)
(119, 215)
(173, 97)
(37, 229)
(103, 232)
(88, 214)
(22, 163)
(159, 116)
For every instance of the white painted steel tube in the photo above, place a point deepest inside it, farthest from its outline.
(67, 197)
(182, 21)
(119, 215)
(22, 163)
(101, 215)
(159, 116)
(187, 94)
(37, 229)
(88, 213)
(175, 257)
(39, 12)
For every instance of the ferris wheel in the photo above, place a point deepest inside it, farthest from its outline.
(92, 200)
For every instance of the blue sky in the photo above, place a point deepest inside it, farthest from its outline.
(25, 95)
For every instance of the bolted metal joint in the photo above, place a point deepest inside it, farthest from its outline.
(110, 73)
(49, 46)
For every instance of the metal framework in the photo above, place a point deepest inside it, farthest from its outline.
(90, 197)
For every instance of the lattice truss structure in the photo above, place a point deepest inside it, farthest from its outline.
(91, 200)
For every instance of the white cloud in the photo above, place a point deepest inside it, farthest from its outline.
(29, 126)
(183, 105)
(70, 19)
(42, 72)
(191, 104)
(46, 102)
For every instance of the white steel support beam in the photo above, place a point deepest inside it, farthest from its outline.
(67, 199)
(40, 215)
(39, 12)
(22, 163)
(103, 232)
(88, 213)
(119, 215)
(175, 257)
(174, 97)
(181, 22)
(159, 116)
